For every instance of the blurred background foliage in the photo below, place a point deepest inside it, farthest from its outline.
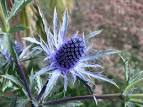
(122, 26)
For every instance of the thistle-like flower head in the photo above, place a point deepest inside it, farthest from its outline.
(67, 56)
(20, 51)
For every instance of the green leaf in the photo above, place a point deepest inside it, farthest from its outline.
(13, 101)
(136, 96)
(129, 104)
(6, 85)
(6, 101)
(17, 28)
(137, 101)
(18, 4)
(13, 79)
(135, 75)
(131, 86)
(4, 8)
(126, 66)
(22, 102)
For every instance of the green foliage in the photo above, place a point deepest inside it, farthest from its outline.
(13, 101)
(17, 28)
(14, 89)
(16, 6)
(133, 89)
(4, 8)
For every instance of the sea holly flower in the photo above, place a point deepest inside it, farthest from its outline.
(67, 56)
(19, 50)
(18, 46)
(5, 54)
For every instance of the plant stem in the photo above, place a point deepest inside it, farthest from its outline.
(4, 21)
(23, 77)
(86, 97)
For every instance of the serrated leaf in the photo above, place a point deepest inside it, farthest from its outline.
(4, 8)
(131, 85)
(6, 85)
(129, 104)
(12, 78)
(18, 4)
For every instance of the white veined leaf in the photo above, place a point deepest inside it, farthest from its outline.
(21, 102)
(129, 104)
(6, 85)
(39, 83)
(135, 76)
(132, 85)
(13, 79)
